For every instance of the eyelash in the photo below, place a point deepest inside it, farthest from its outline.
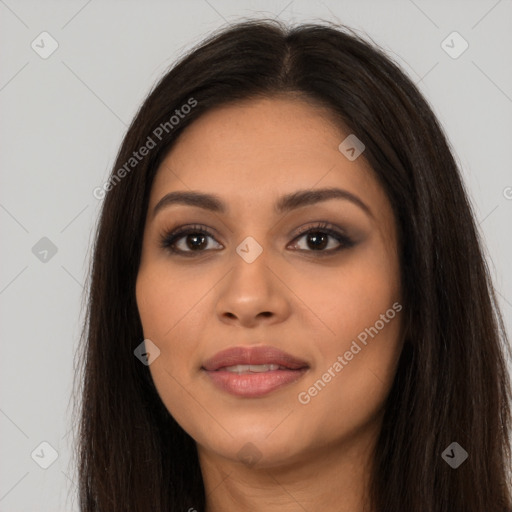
(168, 239)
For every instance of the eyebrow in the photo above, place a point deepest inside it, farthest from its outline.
(285, 203)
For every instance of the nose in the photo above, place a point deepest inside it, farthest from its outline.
(252, 293)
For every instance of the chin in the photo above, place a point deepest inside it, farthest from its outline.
(256, 445)
(258, 453)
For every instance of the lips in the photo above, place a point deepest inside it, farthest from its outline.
(262, 355)
(253, 372)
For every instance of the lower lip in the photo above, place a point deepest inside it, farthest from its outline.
(253, 385)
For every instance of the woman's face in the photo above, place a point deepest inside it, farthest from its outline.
(262, 269)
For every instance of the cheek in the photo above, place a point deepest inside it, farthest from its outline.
(169, 319)
(346, 300)
(348, 389)
(363, 297)
(165, 299)
(359, 344)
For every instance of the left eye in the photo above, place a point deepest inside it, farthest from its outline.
(319, 240)
(195, 240)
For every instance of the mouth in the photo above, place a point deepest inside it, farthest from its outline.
(253, 372)
(252, 368)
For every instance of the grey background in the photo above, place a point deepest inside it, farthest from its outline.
(63, 118)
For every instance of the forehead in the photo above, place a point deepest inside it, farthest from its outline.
(259, 149)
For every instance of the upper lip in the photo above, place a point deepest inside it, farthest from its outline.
(253, 355)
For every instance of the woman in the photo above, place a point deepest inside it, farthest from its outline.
(289, 307)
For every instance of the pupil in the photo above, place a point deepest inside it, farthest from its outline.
(195, 237)
(315, 237)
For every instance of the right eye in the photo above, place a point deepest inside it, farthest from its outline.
(192, 239)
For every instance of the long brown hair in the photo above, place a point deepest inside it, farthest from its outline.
(451, 384)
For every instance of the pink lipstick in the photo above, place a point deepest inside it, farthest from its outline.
(253, 372)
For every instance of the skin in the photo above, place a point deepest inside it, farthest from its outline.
(313, 456)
